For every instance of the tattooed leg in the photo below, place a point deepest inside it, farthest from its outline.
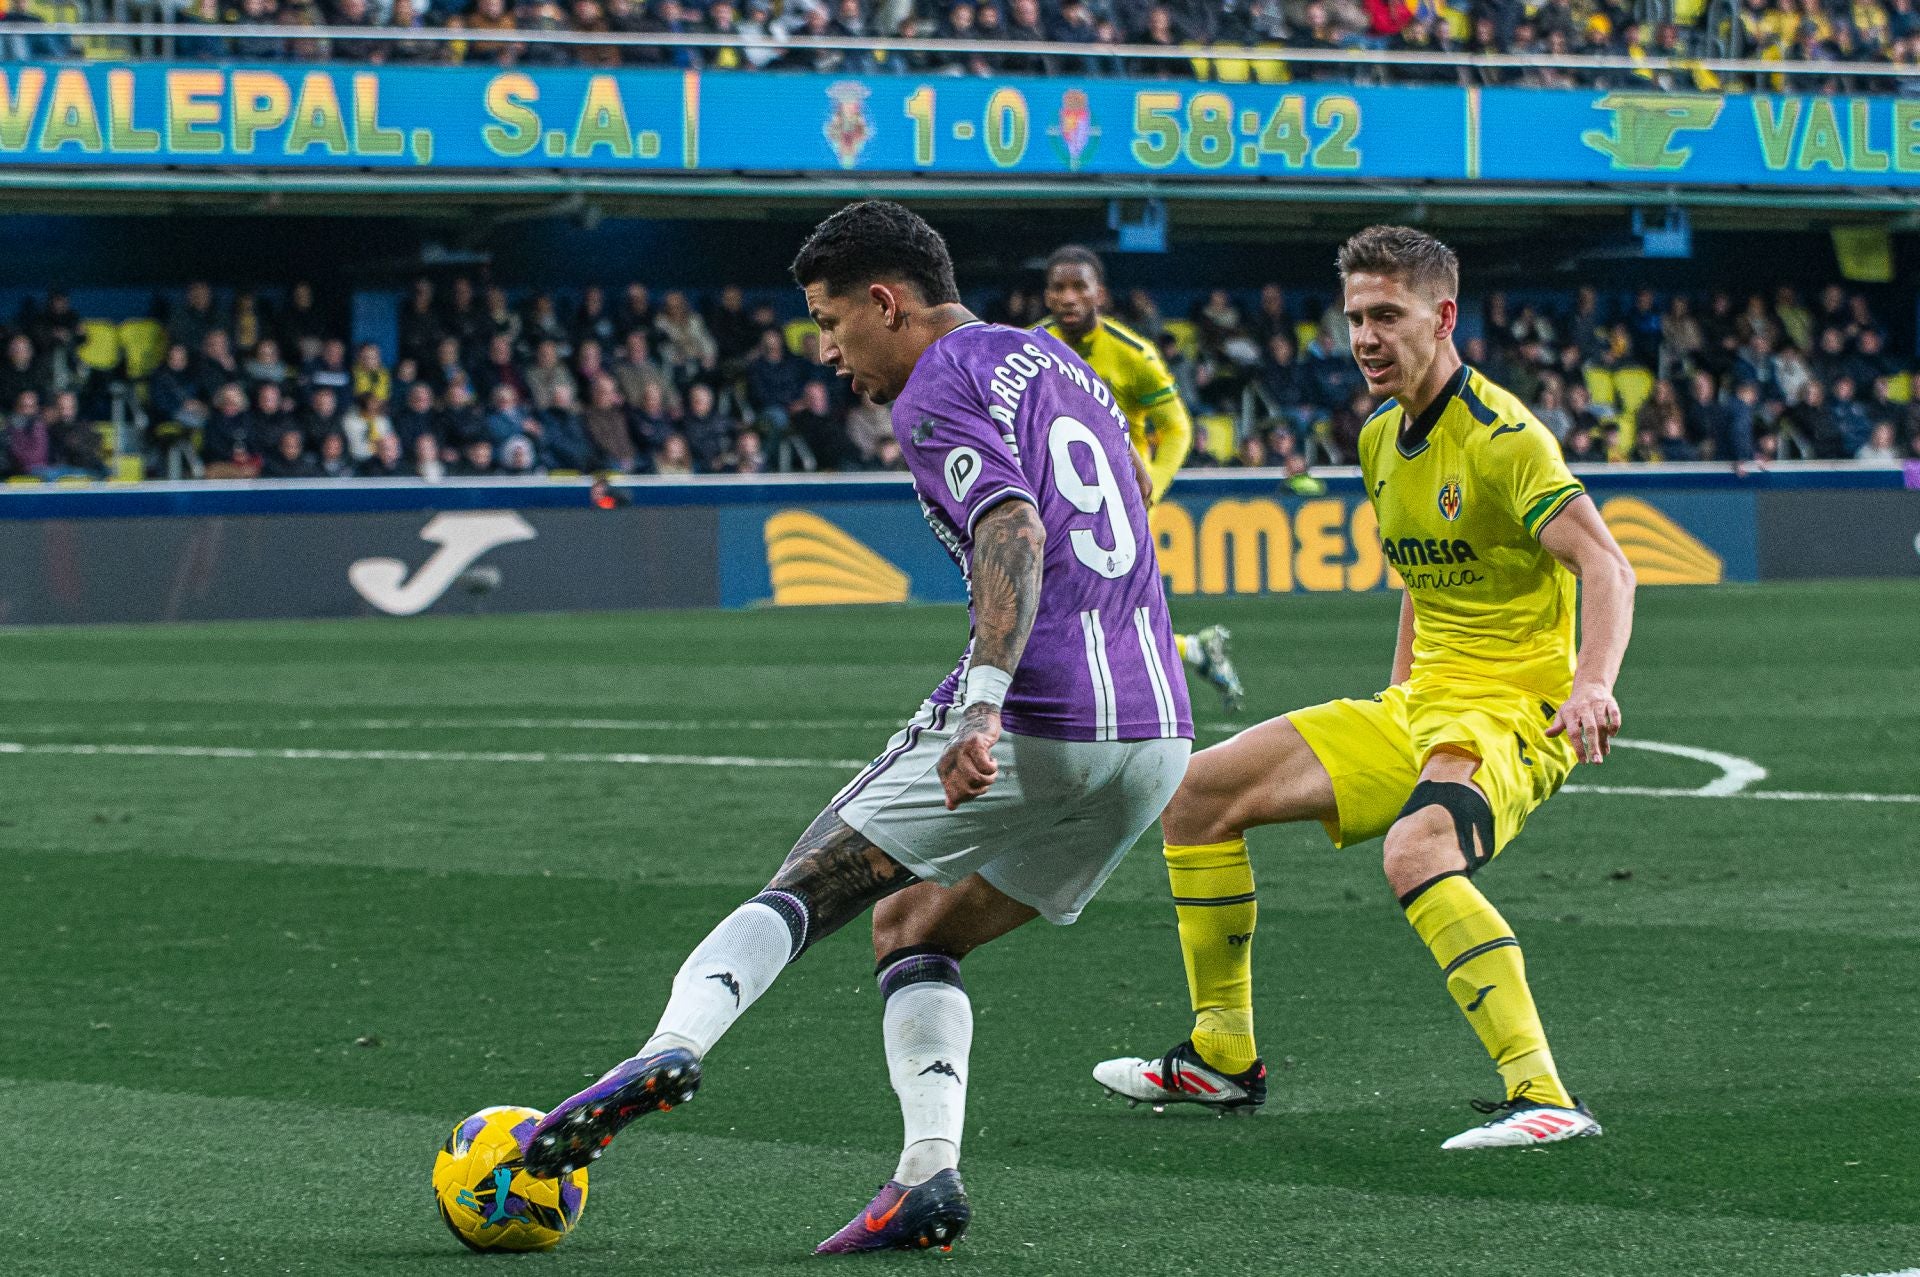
(835, 874)
(832, 876)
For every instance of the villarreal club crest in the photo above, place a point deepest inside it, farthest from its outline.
(1450, 500)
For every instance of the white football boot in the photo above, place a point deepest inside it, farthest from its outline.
(1523, 1123)
(1182, 1077)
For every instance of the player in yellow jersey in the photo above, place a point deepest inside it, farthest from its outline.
(1162, 431)
(1488, 709)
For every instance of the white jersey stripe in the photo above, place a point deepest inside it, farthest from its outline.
(1105, 715)
(1156, 673)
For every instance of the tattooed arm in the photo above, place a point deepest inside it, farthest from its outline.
(1008, 546)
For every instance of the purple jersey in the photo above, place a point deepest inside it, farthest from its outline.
(992, 414)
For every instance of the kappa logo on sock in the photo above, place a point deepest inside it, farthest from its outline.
(732, 985)
(942, 1067)
(1481, 996)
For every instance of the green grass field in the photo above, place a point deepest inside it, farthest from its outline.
(248, 995)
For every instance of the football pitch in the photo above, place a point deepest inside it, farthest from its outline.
(283, 902)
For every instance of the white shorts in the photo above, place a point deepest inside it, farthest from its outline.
(1054, 825)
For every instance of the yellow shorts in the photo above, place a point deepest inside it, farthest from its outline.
(1374, 750)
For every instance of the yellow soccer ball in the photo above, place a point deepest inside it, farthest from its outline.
(487, 1198)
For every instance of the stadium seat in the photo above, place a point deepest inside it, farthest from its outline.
(99, 344)
(109, 439)
(143, 344)
(796, 332)
(1271, 72)
(1216, 435)
(1631, 386)
(23, 478)
(1232, 70)
(1184, 336)
(1900, 387)
(128, 468)
(1303, 334)
(1599, 386)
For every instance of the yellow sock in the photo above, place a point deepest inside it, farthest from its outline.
(1180, 645)
(1487, 976)
(1213, 897)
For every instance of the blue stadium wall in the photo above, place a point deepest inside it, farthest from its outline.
(214, 551)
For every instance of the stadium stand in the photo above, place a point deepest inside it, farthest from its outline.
(1815, 31)
(244, 383)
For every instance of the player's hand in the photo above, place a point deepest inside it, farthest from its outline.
(1589, 718)
(967, 769)
(1142, 477)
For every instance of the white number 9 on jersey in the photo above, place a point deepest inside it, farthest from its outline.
(1091, 498)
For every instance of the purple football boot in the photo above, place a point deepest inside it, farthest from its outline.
(581, 1126)
(931, 1214)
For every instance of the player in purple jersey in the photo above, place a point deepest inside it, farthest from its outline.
(1020, 783)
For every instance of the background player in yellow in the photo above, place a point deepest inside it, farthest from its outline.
(1488, 709)
(1162, 432)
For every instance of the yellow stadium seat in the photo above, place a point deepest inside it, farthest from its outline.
(1686, 13)
(563, 474)
(1632, 386)
(143, 344)
(99, 344)
(73, 480)
(1304, 333)
(1184, 336)
(1600, 387)
(1900, 387)
(1232, 70)
(1216, 430)
(1271, 72)
(23, 478)
(128, 468)
(109, 438)
(796, 333)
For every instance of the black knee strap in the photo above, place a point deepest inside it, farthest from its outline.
(917, 964)
(1469, 809)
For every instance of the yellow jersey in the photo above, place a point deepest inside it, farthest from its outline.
(1461, 494)
(1142, 386)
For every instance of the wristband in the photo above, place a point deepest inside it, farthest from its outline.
(985, 685)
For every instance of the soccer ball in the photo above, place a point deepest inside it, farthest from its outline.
(486, 1197)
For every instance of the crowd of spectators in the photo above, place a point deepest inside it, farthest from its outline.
(1799, 30)
(485, 384)
(1661, 378)
(480, 386)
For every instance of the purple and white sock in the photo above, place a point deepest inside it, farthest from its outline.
(928, 1029)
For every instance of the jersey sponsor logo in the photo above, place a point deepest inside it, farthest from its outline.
(1406, 552)
(462, 539)
(961, 470)
(1450, 500)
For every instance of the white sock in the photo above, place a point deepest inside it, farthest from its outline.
(722, 977)
(1190, 650)
(929, 1034)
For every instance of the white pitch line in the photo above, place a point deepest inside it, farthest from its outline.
(1715, 789)
(421, 756)
(1904, 1272)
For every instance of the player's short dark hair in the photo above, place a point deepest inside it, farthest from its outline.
(1414, 256)
(877, 240)
(1077, 255)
